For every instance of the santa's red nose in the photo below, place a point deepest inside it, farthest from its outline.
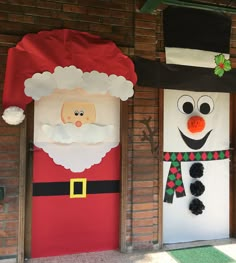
(78, 123)
(196, 124)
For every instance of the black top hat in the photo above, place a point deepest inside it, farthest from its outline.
(194, 39)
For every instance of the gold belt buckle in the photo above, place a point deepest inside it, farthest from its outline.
(72, 187)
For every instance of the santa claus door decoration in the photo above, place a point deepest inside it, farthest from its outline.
(77, 81)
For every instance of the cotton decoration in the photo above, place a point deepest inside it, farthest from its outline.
(196, 170)
(196, 206)
(197, 188)
(13, 115)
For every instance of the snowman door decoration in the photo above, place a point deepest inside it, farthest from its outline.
(196, 132)
(196, 78)
(196, 166)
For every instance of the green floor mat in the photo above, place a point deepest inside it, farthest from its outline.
(206, 254)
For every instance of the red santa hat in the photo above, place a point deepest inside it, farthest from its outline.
(63, 59)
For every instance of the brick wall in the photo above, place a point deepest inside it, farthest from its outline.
(9, 167)
(143, 213)
(112, 20)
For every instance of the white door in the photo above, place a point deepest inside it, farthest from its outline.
(196, 166)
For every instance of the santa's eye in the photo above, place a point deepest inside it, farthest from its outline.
(79, 113)
(205, 104)
(185, 104)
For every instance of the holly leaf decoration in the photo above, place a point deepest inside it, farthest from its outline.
(222, 65)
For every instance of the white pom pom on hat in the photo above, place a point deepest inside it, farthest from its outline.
(13, 115)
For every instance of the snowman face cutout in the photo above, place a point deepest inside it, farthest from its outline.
(196, 121)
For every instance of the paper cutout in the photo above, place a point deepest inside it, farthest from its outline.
(195, 144)
(174, 183)
(77, 148)
(65, 59)
(76, 188)
(205, 105)
(155, 74)
(222, 65)
(186, 104)
(41, 84)
(87, 133)
(191, 57)
(191, 43)
(77, 157)
(192, 52)
(196, 156)
(78, 113)
(67, 78)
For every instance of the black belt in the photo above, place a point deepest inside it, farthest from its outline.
(76, 188)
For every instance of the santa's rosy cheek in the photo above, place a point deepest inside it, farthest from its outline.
(68, 118)
(78, 124)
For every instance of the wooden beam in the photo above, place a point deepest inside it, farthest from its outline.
(124, 173)
(151, 5)
(232, 166)
(22, 180)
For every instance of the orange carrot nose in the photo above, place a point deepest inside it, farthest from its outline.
(196, 124)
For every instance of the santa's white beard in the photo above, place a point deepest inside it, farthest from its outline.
(87, 133)
(76, 148)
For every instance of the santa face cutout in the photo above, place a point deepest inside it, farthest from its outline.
(196, 166)
(78, 113)
(77, 134)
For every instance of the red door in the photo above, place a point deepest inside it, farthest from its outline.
(64, 225)
(73, 211)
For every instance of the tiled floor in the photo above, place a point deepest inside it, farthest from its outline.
(226, 246)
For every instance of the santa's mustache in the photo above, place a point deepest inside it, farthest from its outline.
(88, 133)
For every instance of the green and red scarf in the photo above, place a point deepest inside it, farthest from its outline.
(174, 183)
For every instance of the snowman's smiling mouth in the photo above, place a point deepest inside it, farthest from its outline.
(194, 144)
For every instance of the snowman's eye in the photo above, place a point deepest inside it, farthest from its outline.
(205, 104)
(185, 104)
